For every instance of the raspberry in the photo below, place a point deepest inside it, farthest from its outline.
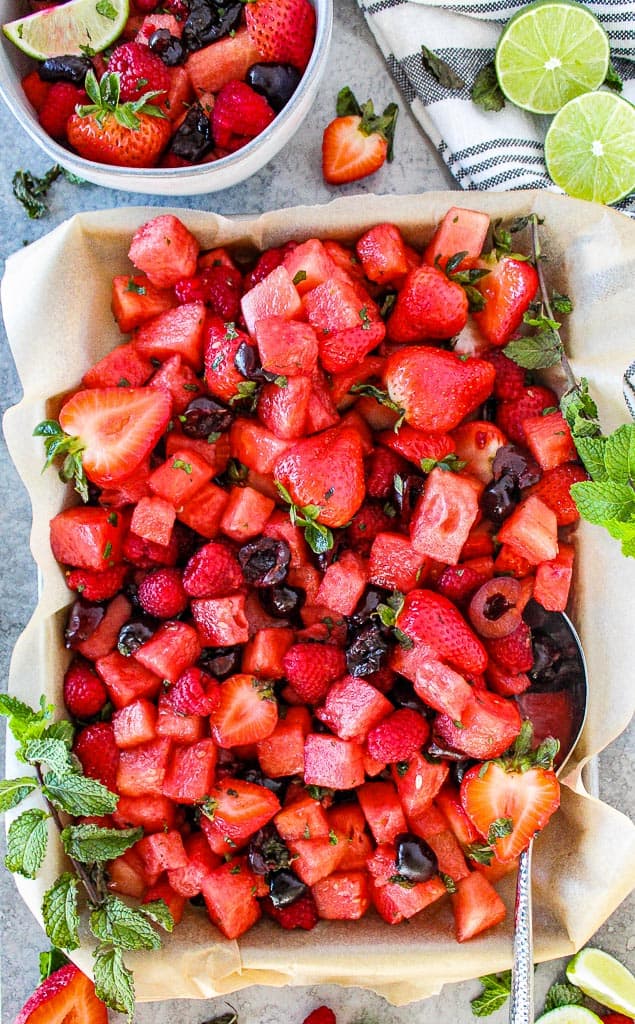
(510, 377)
(97, 586)
(213, 571)
(302, 913)
(58, 105)
(96, 749)
(145, 554)
(220, 288)
(514, 651)
(531, 402)
(240, 113)
(194, 693)
(161, 594)
(140, 71)
(311, 668)
(554, 490)
(84, 693)
(322, 1015)
(459, 582)
(365, 525)
(398, 736)
(382, 467)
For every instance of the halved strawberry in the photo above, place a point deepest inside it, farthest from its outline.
(509, 806)
(65, 995)
(356, 143)
(115, 428)
(247, 712)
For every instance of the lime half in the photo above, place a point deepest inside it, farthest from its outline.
(605, 979)
(551, 51)
(590, 147)
(80, 26)
(569, 1015)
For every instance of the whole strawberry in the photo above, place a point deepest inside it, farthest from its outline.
(161, 594)
(239, 114)
(96, 749)
(140, 71)
(283, 30)
(428, 305)
(123, 134)
(84, 693)
(398, 736)
(325, 471)
(312, 667)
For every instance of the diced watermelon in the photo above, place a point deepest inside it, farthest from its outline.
(176, 331)
(459, 231)
(317, 857)
(203, 512)
(382, 809)
(419, 782)
(153, 519)
(352, 707)
(135, 723)
(476, 906)
(188, 879)
(532, 531)
(303, 818)
(343, 583)
(86, 537)
(332, 762)
(286, 347)
(135, 299)
(549, 440)
(395, 903)
(275, 295)
(441, 688)
(245, 513)
(229, 897)
(172, 649)
(221, 621)
(142, 770)
(553, 580)
(444, 516)
(343, 896)
(180, 477)
(181, 383)
(394, 562)
(222, 61)
(190, 774)
(124, 366)
(152, 813)
(162, 890)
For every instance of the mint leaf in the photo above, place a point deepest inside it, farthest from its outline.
(60, 913)
(52, 752)
(26, 843)
(123, 926)
(441, 70)
(624, 532)
(496, 989)
(318, 537)
(114, 983)
(599, 502)
(451, 463)
(486, 92)
(591, 451)
(580, 411)
(24, 722)
(51, 961)
(62, 730)
(482, 853)
(536, 351)
(499, 828)
(91, 843)
(79, 795)
(13, 791)
(563, 994)
(159, 912)
(619, 454)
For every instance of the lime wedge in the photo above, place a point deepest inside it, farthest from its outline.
(549, 52)
(569, 1015)
(604, 978)
(590, 147)
(77, 27)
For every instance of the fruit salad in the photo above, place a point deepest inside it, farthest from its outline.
(183, 82)
(325, 522)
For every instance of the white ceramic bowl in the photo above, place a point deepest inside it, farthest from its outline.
(172, 181)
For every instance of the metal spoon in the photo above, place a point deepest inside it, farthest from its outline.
(569, 676)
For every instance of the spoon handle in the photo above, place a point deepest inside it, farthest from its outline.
(521, 1008)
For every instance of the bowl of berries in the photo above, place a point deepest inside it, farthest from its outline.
(181, 98)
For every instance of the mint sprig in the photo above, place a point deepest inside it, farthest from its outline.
(496, 989)
(318, 537)
(383, 398)
(58, 443)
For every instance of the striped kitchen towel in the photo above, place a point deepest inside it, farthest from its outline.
(496, 150)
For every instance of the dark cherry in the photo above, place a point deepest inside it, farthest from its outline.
(267, 851)
(403, 695)
(205, 416)
(251, 773)
(510, 460)
(67, 68)
(221, 662)
(283, 601)
(285, 887)
(458, 769)
(276, 82)
(416, 861)
(208, 21)
(247, 362)
(367, 650)
(265, 562)
(133, 635)
(367, 604)
(168, 47)
(499, 499)
(82, 622)
(193, 138)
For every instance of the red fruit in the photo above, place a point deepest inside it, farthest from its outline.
(302, 913)
(35, 90)
(66, 995)
(99, 755)
(531, 402)
(398, 736)
(477, 442)
(383, 254)
(212, 571)
(165, 250)
(108, 141)
(616, 1018)
(239, 114)
(476, 906)
(194, 693)
(219, 287)
(283, 30)
(382, 466)
(459, 231)
(489, 725)
(323, 1015)
(140, 71)
(416, 445)
(311, 668)
(508, 289)
(117, 426)
(326, 470)
(531, 530)
(365, 525)
(554, 489)
(437, 389)
(527, 799)
(510, 377)
(247, 711)
(97, 586)
(161, 594)
(349, 152)
(84, 693)
(459, 582)
(444, 515)
(514, 651)
(428, 305)
(59, 103)
(432, 619)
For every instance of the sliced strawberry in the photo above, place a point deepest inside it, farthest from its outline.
(118, 427)
(524, 801)
(508, 289)
(247, 712)
(355, 144)
(65, 995)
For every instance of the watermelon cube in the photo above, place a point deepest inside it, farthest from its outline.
(162, 890)
(332, 762)
(222, 61)
(200, 863)
(180, 382)
(180, 477)
(553, 580)
(153, 520)
(309, 264)
(221, 621)
(263, 654)
(230, 898)
(444, 516)
(142, 769)
(343, 583)
(164, 249)
(135, 299)
(283, 410)
(418, 785)
(395, 903)
(476, 906)
(459, 231)
(287, 347)
(151, 813)
(275, 295)
(121, 367)
(173, 648)
(183, 728)
(317, 857)
(87, 537)
(190, 773)
(549, 440)
(441, 688)
(135, 723)
(127, 875)
(343, 896)
(382, 809)
(532, 531)
(162, 851)
(203, 512)
(383, 255)
(282, 753)
(245, 513)
(176, 331)
(394, 563)
(302, 818)
(352, 707)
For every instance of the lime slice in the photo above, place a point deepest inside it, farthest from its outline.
(551, 51)
(569, 1015)
(77, 27)
(605, 979)
(590, 147)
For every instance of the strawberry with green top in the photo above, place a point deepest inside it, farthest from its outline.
(358, 141)
(282, 30)
(132, 134)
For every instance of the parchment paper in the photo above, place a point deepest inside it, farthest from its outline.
(56, 297)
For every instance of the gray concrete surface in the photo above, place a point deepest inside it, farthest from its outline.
(294, 176)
